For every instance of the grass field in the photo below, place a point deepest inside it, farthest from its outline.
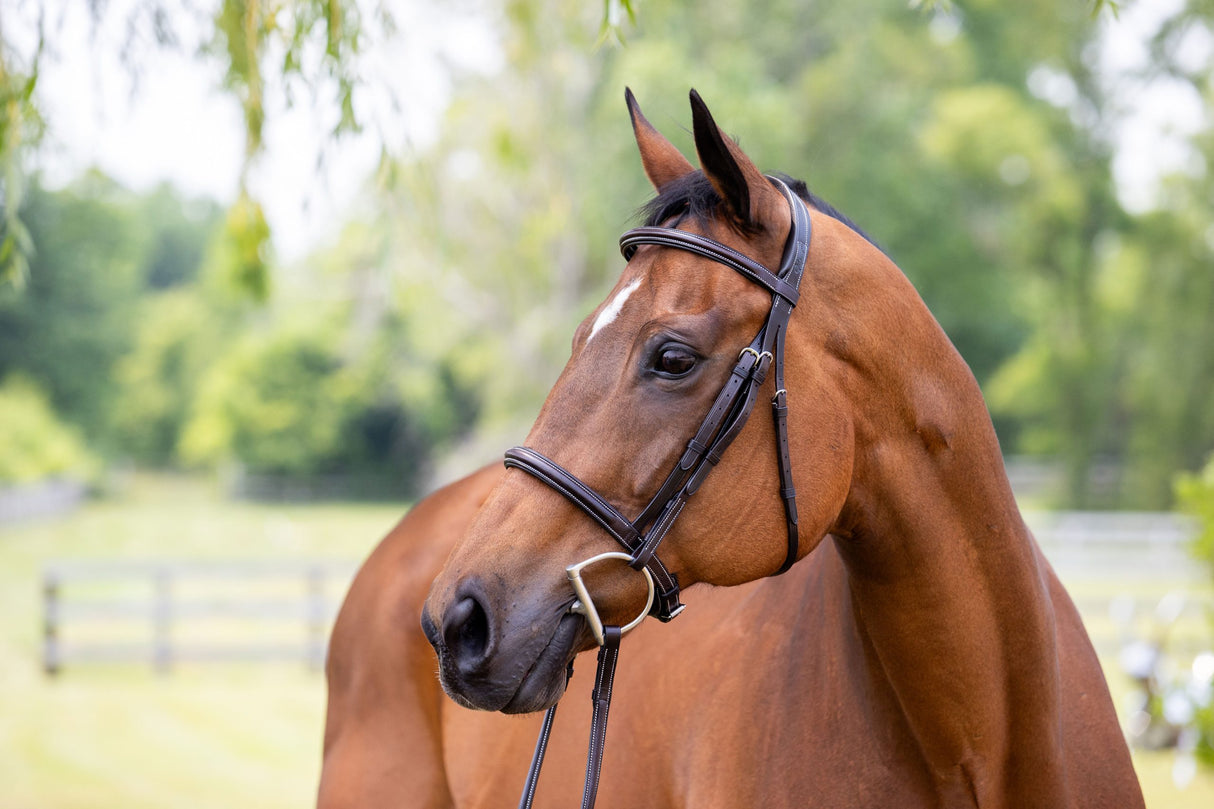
(229, 736)
(233, 735)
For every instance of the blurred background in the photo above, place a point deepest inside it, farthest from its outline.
(271, 270)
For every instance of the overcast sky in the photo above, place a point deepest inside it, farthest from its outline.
(178, 124)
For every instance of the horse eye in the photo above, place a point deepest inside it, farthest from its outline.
(674, 361)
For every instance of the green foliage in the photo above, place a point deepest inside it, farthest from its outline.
(614, 12)
(317, 43)
(277, 405)
(74, 318)
(132, 326)
(20, 130)
(177, 336)
(287, 403)
(101, 251)
(344, 373)
(241, 27)
(245, 251)
(262, 47)
(34, 443)
(1195, 495)
(1166, 347)
(1086, 325)
(179, 234)
(904, 127)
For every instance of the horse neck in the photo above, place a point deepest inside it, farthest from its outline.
(948, 588)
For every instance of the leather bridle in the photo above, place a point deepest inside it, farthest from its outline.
(728, 414)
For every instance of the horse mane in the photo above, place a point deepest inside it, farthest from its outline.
(693, 197)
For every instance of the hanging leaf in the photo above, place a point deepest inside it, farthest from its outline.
(248, 241)
(20, 130)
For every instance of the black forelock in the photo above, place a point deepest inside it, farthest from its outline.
(693, 197)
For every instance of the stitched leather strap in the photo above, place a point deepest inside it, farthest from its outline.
(609, 655)
(537, 759)
(702, 245)
(604, 681)
(796, 254)
(578, 493)
(666, 602)
(703, 451)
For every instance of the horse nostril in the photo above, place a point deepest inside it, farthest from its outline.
(466, 631)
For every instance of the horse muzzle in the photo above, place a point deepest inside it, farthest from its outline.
(514, 664)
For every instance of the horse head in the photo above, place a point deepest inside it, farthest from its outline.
(645, 368)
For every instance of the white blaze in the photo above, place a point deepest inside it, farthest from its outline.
(612, 310)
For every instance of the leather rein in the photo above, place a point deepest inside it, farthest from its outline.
(641, 537)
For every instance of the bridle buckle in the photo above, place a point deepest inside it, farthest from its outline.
(585, 604)
(758, 355)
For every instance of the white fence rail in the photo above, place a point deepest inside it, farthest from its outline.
(1119, 566)
(167, 612)
(47, 498)
(1112, 544)
(1132, 576)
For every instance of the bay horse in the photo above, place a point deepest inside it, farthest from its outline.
(921, 652)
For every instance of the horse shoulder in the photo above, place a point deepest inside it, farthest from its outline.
(1098, 762)
(383, 744)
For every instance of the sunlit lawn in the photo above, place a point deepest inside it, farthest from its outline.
(228, 736)
(233, 735)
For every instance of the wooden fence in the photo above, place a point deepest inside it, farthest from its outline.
(48, 498)
(1117, 544)
(1119, 567)
(167, 612)
(1133, 577)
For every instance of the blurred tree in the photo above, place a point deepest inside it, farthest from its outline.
(906, 120)
(34, 443)
(930, 129)
(309, 45)
(277, 404)
(929, 126)
(180, 231)
(20, 130)
(261, 48)
(339, 376)
(178, 335)
(66, 329)
(1118, 367)
(102, 249)
(1195, 495)
(1164, 272)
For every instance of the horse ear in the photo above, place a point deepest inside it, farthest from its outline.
(748, 195)
(662, 161)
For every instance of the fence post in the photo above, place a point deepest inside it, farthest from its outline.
(50, 622)
(316, 618)
(162, 620)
